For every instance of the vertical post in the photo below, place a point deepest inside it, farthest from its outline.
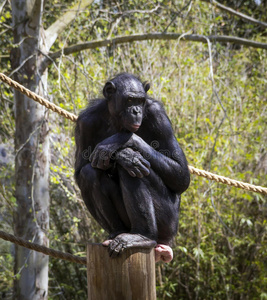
(131, 276)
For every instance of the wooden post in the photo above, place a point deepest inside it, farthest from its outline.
(131, 276)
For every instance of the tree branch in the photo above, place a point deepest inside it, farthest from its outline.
(151, 36)
(236, 13)
(2, 5)
(62, 22)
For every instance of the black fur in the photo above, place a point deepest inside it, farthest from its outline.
(129, 166)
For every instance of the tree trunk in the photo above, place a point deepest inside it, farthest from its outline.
(31, 219)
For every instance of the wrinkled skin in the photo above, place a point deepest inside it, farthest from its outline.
(129, 167)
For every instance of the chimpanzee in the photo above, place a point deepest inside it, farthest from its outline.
(130, 168)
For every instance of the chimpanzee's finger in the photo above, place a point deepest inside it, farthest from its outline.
(145, 162)
(106, 162)
(94, 162)
(138, 173)
(142, 168)
(131, 172)
(92, 156)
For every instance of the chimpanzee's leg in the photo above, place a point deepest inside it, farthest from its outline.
(152, 210)
(103, 198)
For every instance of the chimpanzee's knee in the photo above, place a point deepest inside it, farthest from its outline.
(95, 179)
(88, 177)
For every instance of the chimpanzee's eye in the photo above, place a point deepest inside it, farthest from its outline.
(142, 101)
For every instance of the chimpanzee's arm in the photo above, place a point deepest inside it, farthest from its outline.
(168, 161)
(170, 164)
(81, 145)
(86, 138)
(172, 169)
(91, 149)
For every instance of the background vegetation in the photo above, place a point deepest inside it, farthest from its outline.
(216, 100)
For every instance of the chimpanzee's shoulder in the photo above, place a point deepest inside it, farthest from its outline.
(93, 112)
(154, 107)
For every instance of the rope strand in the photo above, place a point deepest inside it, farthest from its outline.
(228, 181)
(38, 98)
(47, 251)
(73, 118)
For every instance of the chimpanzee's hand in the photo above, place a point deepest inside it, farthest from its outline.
(133, 162)
(100, 158)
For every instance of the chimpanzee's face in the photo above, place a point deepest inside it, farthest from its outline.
(127, 98)
(132, 114)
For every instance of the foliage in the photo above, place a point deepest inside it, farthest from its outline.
(220, 121)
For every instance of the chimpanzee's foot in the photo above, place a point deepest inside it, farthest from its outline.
(164, 253)
(114, 234)
(127, 240)
(111, 237)
(106, 243)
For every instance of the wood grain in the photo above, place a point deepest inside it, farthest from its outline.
(131, 276)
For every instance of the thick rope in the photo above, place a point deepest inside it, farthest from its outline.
(38, 98)
(72, 117)
(228, 181)
(47, 251)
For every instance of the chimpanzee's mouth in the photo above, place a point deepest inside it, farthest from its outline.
(133, 127)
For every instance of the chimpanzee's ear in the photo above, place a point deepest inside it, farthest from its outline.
(146, 86)
(109, 89)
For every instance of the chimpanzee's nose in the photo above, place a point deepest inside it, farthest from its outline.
(136, 110)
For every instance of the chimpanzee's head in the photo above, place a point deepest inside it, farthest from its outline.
(126, 97)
